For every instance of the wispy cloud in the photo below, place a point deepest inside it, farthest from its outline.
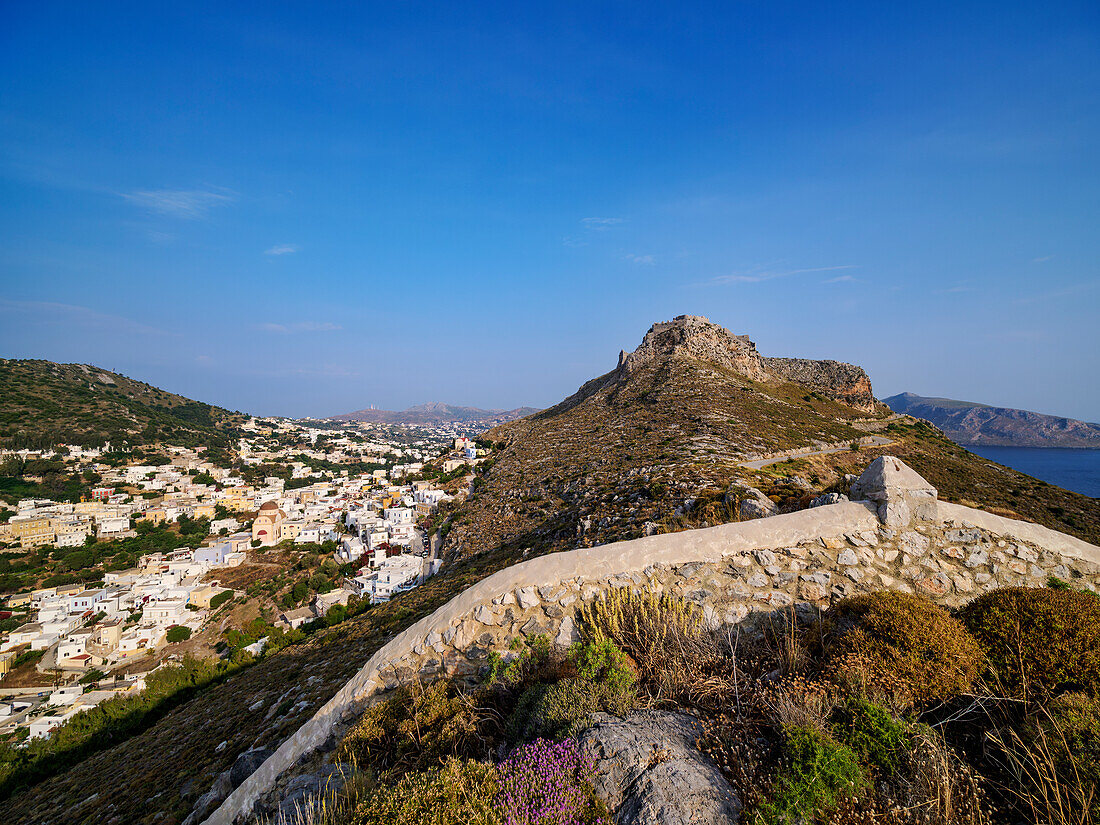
(956, 289)
(282, 249)
(189, 204)
(601, 224)
(73, 314)
(644, 260)
(1042, 260)
(841, 279)
(755, 276)
(299, 326)
(590, 225)
(1062, 292)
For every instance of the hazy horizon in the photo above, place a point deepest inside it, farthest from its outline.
(307, 211)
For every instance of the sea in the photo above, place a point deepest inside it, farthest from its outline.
(1077, 470)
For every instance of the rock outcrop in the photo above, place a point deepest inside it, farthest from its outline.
(697, 337)
(650, 772)
(842, 382)
(243, 767)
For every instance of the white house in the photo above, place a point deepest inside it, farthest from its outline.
(84, 600)
(108, 601)
(73, 645)
(138, 639)
(227, 524)
(43, 726)
(402, 534)
(396, 575)
(166, 612)
(113, 526)
(400, 515)
(65, 696)
(376, 538)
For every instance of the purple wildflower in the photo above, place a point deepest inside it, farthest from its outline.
(548, 783)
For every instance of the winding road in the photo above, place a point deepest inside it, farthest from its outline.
(870, 441)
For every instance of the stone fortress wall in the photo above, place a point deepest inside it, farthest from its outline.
(899, 537)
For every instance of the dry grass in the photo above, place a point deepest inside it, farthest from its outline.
(1047, 778)
(331, 805)
(677, 656)
(939, 787)
(799, 702)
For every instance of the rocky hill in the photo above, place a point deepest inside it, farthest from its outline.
(659, 446)
(436, 413)
(970, 423)
(679, 434)
(43, 404)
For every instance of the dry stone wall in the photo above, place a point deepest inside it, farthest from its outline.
(804, 560)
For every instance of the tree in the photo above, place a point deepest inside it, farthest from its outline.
(336, 614)
(178, 633)
(299, 592)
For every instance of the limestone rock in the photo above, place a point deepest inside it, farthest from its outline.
(900, 493)
(567, 633)
(757, 505)
(846, 383)
(527, 597)
(696, 337)
(649, 771)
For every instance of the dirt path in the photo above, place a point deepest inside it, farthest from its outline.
(872, 441)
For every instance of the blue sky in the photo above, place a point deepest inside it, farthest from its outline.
(309, 208)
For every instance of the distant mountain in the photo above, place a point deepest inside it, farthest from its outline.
(436, 413)
(972, 424)
(43, 404)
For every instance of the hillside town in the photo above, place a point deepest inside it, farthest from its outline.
(97, 640)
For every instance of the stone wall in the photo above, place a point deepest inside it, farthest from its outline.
(806, 559)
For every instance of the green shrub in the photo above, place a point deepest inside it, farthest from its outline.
(178, 633)
(457, 793)
(1073, 724)
(93, 675)
(875, 736)
(900, 646)
(1038, 641)
(602, 664)
(553, 711)
(220, 599)
(531, 656)
(816, 774)
(604, 682)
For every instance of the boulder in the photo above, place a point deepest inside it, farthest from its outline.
(246, 765)
(757, 505)
(650, 772)
(898, 491)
